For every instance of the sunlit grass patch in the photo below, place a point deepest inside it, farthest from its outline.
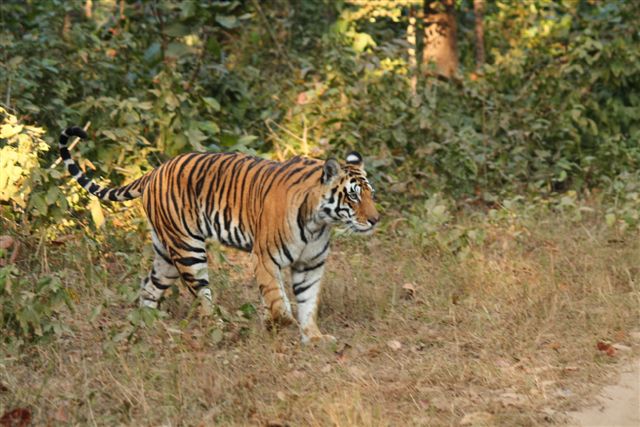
(503, 329)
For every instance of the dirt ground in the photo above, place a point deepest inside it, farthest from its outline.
(617, 405)
(516, 329)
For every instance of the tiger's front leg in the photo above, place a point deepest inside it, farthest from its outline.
(269, 279)
(306, 287)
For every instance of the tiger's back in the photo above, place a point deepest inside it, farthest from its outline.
(228, 197)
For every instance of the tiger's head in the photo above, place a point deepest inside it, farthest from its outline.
(349, 197)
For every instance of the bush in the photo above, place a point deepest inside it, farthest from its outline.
(29, 309)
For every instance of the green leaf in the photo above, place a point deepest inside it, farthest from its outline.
(361, 41)
(95, 312)
(248, 310)
(212, 102)
(177, 49)
(227, 21)
(213, 47)
(610, 219)
(153, 54)
(109, 134)
(188, 9)
(177, 29)
(216, 336)
(209, 127)
(52, 195)
(37, 201)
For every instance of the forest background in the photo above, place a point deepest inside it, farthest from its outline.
(488, 127)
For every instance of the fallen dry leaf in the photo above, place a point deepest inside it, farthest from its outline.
(620, 336)
(341, 354)
(549, 414)
(621, 347)
(563, 392)
(19, 417)
(6, 242)
(61, 414)
(394, 345)
(606, 348)
(441, 404)
(297, 374)
(356, 372)
(61, 240)
(555, 346)
(281, 396)
(409, 290)
(477, 419)
(512, 399)
(302, 98)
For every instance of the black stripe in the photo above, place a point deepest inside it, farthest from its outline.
(162, 254)
(216, 224)
(207, 225)
(326, 246)
(189, 261)
(113, 196)
(311, 268)
(308, 174)
(300, 219)
(157, 284)
(287, 253)
(187, 247)
(300, 289)
(272, 258)
(64, 153)
(200, 283)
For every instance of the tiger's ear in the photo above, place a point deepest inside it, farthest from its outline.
(330, 170)
(354, 158)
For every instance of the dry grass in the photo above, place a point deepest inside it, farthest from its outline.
(505, 335)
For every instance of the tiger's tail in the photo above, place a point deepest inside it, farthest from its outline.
(117, 194)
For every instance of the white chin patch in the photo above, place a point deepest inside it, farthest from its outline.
(352, 158)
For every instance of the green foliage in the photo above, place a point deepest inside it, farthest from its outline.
(29, 308)
(21, 146)
(554, 109)
(27, 185)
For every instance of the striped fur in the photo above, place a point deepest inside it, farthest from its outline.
(280, 212)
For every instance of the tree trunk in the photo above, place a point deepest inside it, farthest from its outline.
(413, 46)
(440, 47)
(88, 9)
(478, 11)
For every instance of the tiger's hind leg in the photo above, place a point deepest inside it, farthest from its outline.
(192, 266)
(162, 275)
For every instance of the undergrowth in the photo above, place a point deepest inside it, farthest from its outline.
(442, 314)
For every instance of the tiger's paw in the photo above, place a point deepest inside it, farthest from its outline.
(319, 339)
(207, 308)
(279, 321)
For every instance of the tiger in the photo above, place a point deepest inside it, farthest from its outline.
(282, 213)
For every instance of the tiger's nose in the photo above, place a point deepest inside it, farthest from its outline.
(374, 219)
